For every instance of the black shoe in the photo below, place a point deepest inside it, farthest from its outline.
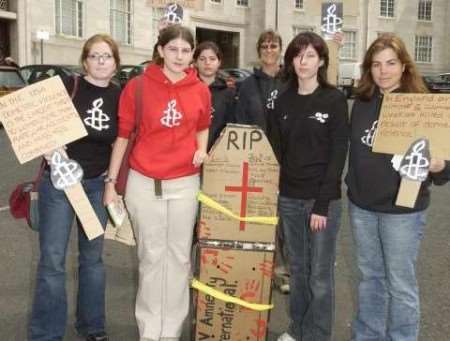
(102, 336)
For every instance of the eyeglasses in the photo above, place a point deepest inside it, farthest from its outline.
(174, 50)
(272, 46)
(106, 57)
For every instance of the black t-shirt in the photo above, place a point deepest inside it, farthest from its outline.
(97, 107)
(309, 135)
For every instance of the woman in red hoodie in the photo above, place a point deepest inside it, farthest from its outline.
(164, 179)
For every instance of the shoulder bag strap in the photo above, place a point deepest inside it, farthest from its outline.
(76, 83)
(138, 102)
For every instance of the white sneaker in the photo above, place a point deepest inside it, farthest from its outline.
(285, 337)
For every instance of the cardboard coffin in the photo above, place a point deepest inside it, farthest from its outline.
(243, 274)
(241, 174)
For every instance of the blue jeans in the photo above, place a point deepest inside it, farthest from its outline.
(387, 246)
(311, 257)
(49, 311)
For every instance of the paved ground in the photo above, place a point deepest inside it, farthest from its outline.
(19, 254)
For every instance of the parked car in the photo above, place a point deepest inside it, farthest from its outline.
(37, 72)
(348, 78)
(138, 69)
(438, 84)
(10, 80)
(123, 74)
(237, 75)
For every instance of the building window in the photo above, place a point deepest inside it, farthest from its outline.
(216, 1)
(120, 21)
(69, 17)
(157, 15)
(387, 8)
(299, 29)
(298, 4)
(348, 51)
(4, 5)
(424, 12)
(423, 49)
(242, 3)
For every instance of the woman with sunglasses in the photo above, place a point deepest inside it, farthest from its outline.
(258, 92)
(96, 100)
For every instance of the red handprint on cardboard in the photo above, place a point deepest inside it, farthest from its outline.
(260, 329)
(204, 231)
(218, 259)
(249, 292)
(266, 268)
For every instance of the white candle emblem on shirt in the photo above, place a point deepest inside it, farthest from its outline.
(171, 117)
(98, 117)
(370, 134)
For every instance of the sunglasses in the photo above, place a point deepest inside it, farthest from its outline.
(272, 46)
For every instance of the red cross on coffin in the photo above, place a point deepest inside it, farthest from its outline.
(241, 174)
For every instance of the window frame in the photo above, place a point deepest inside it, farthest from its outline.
(78, 19)
(419, 46)
(349, 45)
(301, 4)
(128, 15)
(241, 5)
(422, 8)
(387, 8)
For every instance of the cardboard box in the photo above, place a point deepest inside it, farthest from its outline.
(242, 274)
(241, 174)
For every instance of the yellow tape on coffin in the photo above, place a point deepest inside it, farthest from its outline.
(227, 298)
(204, 199)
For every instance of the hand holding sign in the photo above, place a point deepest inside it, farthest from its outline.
(414, 169)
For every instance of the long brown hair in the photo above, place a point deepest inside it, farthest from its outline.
(100, 38)
(411, 80)
(300, 42)
(169, 33)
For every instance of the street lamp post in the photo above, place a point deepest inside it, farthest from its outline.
(42, 35)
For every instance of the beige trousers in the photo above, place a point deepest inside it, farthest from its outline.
(163, 228)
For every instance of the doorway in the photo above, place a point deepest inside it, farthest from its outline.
(227, 41)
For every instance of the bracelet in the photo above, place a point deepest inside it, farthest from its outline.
(110, 180)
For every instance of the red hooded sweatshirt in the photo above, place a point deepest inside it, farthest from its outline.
(172, 114)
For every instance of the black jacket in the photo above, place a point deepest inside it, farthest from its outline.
(256, 96)
(309, 135)
(223, 105)
(372, 181)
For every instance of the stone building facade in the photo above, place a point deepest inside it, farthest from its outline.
(234, 24)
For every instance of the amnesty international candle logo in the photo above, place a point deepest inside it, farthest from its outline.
(64, 172)
(171, 117)
(416, 162)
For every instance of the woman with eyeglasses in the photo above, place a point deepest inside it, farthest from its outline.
(258, 92)
(164, 179)
(96, 100)
(308, 130)
(207, 60)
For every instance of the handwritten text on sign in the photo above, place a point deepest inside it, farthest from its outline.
(406, 117)
(40, 118)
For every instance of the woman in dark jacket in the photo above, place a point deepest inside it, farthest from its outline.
(207, 59)
(387, 236)
(308, 130)
(259, 91)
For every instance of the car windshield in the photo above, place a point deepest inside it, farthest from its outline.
(10, 78)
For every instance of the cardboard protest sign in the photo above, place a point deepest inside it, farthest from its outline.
(332, 21)
(242, 274)
(332, 14)
(241, 176)
(405, 118)
(40, 118)
(192, 4)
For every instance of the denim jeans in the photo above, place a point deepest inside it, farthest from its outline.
(311, 257)
(387, 246)
(49, 311)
